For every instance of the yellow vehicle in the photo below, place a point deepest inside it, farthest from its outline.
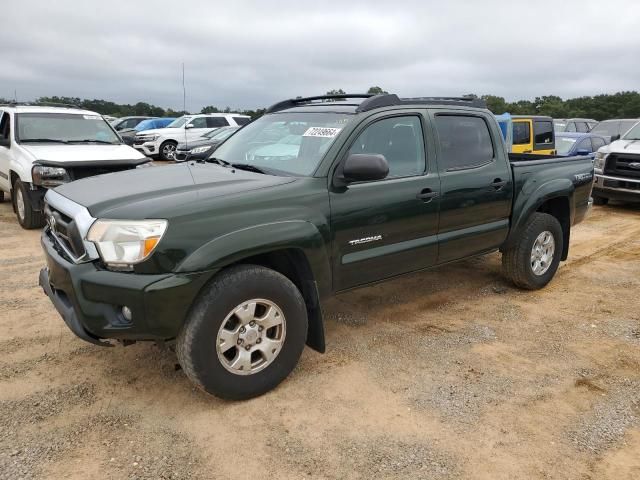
(533, 134)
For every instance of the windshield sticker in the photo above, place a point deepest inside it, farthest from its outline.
(325, 132)
(92, 117)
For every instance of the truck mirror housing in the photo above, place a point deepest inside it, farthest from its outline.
(189, 126)
(615, 137)
(582, 151)
(361, 167)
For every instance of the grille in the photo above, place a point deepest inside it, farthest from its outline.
(620, 164)
(64, 231)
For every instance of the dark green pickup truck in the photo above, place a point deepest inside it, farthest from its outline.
(232, 257)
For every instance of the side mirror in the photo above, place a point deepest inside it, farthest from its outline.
(189, 126)
(582, 151)
(362, 167)
(615, 137)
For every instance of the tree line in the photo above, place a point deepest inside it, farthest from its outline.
(599, 107)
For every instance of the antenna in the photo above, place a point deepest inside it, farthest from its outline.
(184, 106)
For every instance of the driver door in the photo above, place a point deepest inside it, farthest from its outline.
(5, 137)
(387, 227)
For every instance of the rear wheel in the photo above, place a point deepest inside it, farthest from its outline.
(168, 150)
(534, 259)
(597, 200)
(28, 217)
(244, 334)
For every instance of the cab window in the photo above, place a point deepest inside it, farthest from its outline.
(571, 127)
(465, 142)
(521, 133)
(544, 133)
(4, 127)
(215, 122)
(401, 142)
(200, 122)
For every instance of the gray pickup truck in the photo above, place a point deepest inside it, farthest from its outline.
(232, 257)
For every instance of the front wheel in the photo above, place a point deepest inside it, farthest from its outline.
(168, 150)
(534, 259)
(244, 334)
(28, 217)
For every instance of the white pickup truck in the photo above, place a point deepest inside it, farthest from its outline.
(42, 147)
(161, 143)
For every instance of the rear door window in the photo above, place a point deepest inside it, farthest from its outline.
(582, 127)
(543, 133)
(597, 143)
(241, 120)
(200, 122)
(521, 133)
(465, 142)
(215, 122)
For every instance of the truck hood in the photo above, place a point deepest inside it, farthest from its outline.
(154, 192)
(81, 153)
(624, 146)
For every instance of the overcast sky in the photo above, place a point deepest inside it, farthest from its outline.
(253, 53)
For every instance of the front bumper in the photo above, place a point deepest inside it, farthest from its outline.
(617, 188)
(148, 148)
(90, 299)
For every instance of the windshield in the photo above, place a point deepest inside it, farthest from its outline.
(178, 122)
(633, 134)
(611, 127)
(220, 133)
(145, 125)
(63, 128)
(290, 142)
(564, 144)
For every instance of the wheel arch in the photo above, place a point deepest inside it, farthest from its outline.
(296, 249)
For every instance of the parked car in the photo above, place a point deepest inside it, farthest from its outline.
(581, 125)
(128, 135)
(43, 147)
(161, 144)
(201, 148)
(125, 123)
(571, 144)
(109, 118)
(533, 134)
(233, 258)
(617, 168)
(614, 129)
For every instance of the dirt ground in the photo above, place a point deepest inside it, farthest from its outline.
(447, 374)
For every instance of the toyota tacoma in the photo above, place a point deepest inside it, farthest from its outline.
(231, 258)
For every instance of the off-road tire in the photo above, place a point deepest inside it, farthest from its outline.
(161, 154)
(32, 218)
(597, 200)
(196, 343)
(516, 261)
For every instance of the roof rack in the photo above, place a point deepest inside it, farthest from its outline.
(296, 102)
(371, 102)
(41, 104)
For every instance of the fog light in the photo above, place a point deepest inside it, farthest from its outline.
(126, 313)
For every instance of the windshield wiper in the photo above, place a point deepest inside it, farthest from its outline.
(92, 140)
(248, 167)
(42, 140)
(218, 161)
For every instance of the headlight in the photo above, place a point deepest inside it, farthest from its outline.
(600, 160)
(199, 149)
(123, 243)
(147, 138)
(48, 177)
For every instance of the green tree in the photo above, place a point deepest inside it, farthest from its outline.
(376, 91)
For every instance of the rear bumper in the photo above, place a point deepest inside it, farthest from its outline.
(90, 299)
(617, 188)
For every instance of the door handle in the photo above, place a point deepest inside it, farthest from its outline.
(498, 184)
(426, 195)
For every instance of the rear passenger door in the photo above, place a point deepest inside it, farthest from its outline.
(386, 227)
(475, 183)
